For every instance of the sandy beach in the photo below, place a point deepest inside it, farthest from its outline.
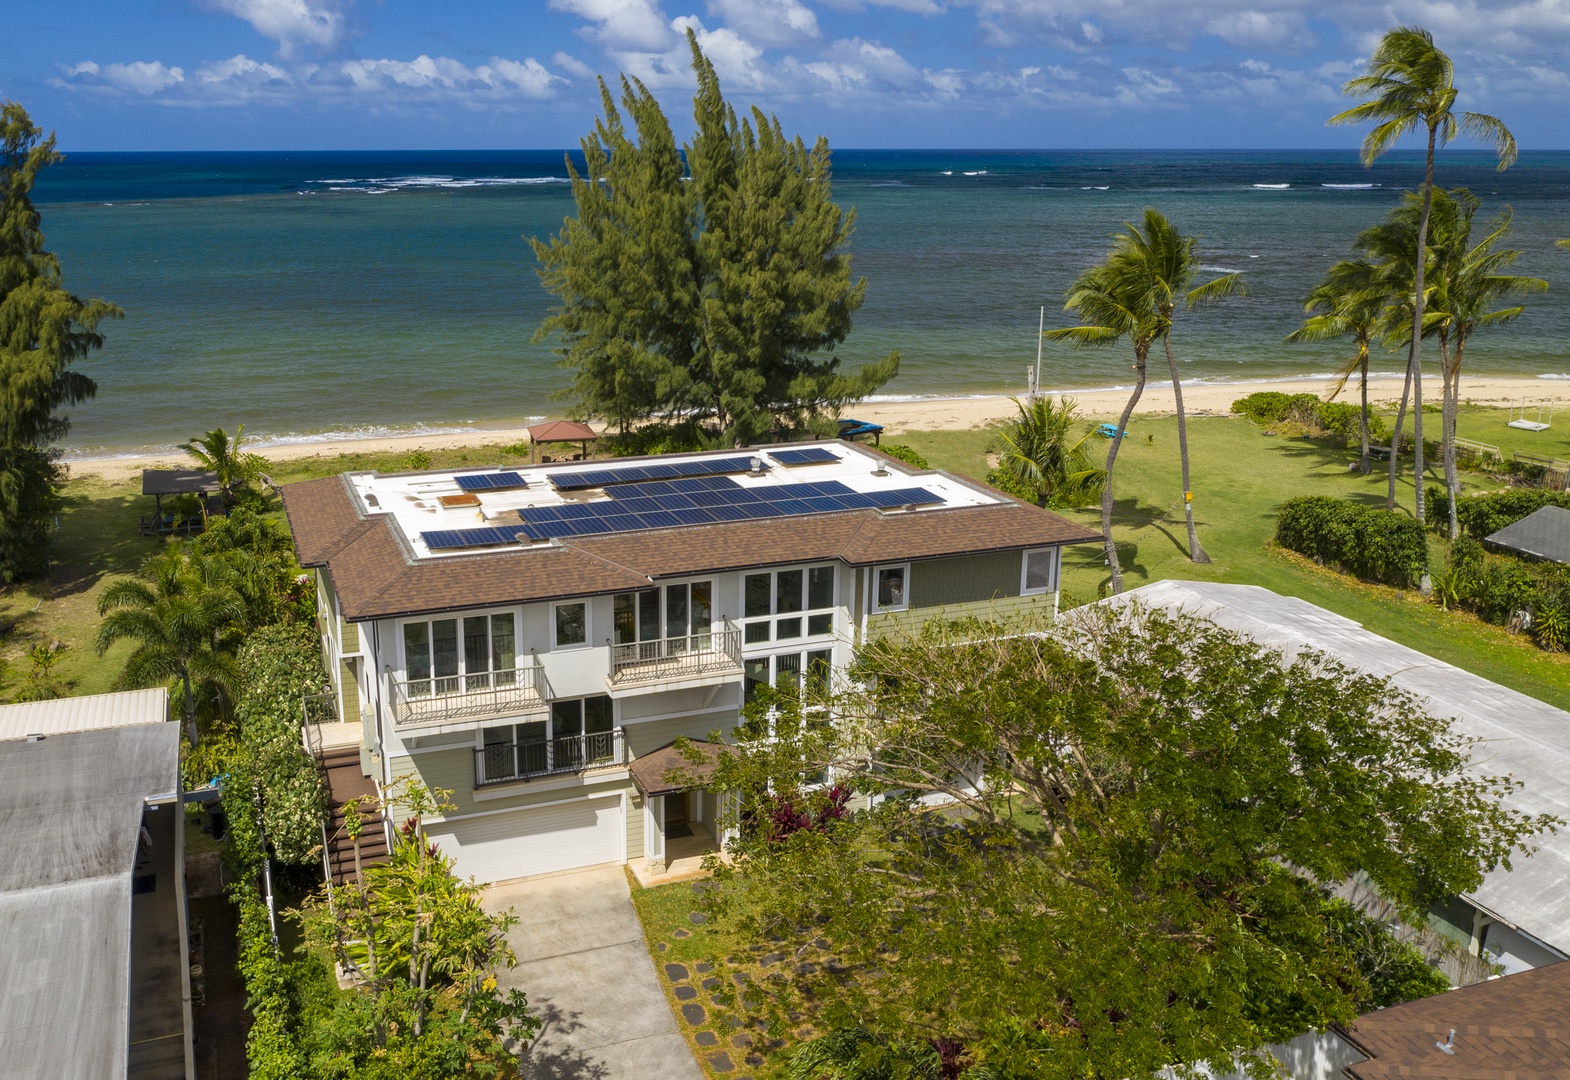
(925, 414)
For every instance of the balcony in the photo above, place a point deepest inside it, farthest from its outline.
(676, 662)
(456, 702)
(499, 762)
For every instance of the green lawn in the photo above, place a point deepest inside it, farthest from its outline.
(1240, 478)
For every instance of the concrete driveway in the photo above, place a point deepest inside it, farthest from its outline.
(584, 964)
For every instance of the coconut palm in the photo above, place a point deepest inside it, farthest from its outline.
(1411, 84)
(1349, 302)
(218, 453)
(1470, 280)
(1135, 294)
(1044, 448)
(182, 614)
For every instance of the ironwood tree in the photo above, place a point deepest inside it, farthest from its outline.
(44, 330)
(709, 281)
(1140, 817)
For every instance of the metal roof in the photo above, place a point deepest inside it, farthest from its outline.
(70, 814)
(178, 481)
(87, 713)
(1542, 534)
(1519, 736)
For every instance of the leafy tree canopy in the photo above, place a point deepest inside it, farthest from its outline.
(43, 331)
(705, 280)
(1143, 814)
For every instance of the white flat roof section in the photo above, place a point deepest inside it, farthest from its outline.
(459, 499)
(90, 713)
(70, 816)
(1519, 736)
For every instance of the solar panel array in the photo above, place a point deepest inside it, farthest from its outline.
(447, 539)
(811, 455)
(632, 474)
(495, 481)
(705, 501)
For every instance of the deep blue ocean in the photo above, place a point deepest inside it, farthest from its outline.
(309, 295)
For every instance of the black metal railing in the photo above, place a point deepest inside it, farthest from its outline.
(546, 757)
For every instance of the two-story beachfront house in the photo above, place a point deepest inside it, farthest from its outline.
(532, 639)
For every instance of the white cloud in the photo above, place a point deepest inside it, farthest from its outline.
(631, 25)
(1286, 30)
(319, 25)
(445, 76)
(768, 22)
(146, 77)
(572, 65)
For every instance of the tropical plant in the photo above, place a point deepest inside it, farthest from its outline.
(1134, 294)
(222, 454)
(266, 574)
(707, 281)
(44, 330)
(184, 615)
(1349, 302)
(1411, 85)
(1043, 449)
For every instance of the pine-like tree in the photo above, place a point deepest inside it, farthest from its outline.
(43, 331)
(707, 280)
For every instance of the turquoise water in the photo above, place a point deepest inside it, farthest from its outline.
(316, 295)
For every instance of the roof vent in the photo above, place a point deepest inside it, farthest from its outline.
(1449, 1045)
(755, 466)
(35, 736)
(881, 470)
(370, 500)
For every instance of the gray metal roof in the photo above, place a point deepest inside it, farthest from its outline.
(60, 715)
(1520, 736)
(1543, 534)
(70, 814)
(178, 481)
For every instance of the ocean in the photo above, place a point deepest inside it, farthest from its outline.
(321, 295)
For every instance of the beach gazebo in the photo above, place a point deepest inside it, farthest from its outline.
(560, 431)
(173, 482)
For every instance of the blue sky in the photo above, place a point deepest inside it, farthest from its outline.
(361, 74)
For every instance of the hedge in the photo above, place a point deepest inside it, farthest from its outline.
(1309, 415)
(1480, 516)
(1375, 544)
(905, 454)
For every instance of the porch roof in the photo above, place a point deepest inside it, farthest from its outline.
(667, 769)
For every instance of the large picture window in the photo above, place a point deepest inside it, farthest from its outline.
(450, 656)
(792, 672)
(788, 605)
(676, 612)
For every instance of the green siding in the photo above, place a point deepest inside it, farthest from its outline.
(944, 582)
(348, 693)
(635, 811)
(1005, 607)
(454, 769)
(349, 635)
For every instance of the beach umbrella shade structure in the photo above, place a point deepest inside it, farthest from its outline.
(558, 431)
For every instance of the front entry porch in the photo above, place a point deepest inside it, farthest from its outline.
(680, 824)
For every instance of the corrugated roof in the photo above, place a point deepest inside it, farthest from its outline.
(1513, 1028)
(88, 713)
(1542, 534)
(1519, 736)
(70, 814)
(377, 576)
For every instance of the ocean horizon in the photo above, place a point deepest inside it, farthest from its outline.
(317, 296)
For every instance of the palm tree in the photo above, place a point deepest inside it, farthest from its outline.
(1411, 83)
(218, 453)
(1469, 282)
(1044, 448)
(1350, 302)
(182, 614)
(1135, 294)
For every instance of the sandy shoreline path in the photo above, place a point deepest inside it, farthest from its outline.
(926, 414)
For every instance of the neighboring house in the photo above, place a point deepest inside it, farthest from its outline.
(1518, 918)
(524, 637)
(92, 891)
(1542, 534)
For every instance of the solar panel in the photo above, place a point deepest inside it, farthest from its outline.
(447, 539)
(633, 474)
(812, 455)
(496, 481)
(914, 496)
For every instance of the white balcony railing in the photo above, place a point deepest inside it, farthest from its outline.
(487, 695)
(714, 653)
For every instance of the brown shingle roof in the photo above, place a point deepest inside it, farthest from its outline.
(1513, 1028)
(377, 575)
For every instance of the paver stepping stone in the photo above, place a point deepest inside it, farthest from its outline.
(820, 943)
(713, 982)
(776, 957)
(721, 1063)
(681, 933)
(809, 969)
(754, 1060)
(697, 918)
(706, 1038)
(675, 973)
(661, 947)
(685, 993)
(742, 1041)
(693, 1013)
(703, 968)
(742, 978)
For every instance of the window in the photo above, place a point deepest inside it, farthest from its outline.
(889, 587)
(572, 625)
(674, 612)
(788, 605)
(1039, 572)
(579, 733)
(790, 672)
(449, 656)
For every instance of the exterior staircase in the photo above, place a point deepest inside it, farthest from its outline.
(345, 781)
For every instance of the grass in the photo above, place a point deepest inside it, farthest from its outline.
(1240, 477)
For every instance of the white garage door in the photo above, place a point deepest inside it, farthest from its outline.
(521, 843)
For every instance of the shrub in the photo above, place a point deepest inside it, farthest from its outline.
(417, 461)
(1011, 485)
(1305, 414)
(1375, 544)
(905, 454)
